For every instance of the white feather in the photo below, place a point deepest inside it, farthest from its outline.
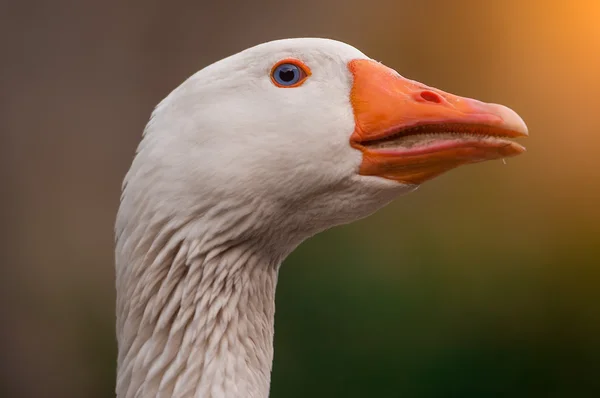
(231, 175)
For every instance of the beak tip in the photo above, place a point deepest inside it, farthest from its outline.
(512, 120)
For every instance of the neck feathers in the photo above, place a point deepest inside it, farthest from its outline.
(194, 318)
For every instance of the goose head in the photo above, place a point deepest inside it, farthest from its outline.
(310, 133)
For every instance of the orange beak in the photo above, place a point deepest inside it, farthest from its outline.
(410, 133)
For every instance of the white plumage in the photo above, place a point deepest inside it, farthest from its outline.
(233, 172)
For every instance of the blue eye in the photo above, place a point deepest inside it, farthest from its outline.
(288, 75)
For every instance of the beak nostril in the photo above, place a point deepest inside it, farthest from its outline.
(430, 96)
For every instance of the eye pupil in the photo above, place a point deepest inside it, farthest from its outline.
(287, 75)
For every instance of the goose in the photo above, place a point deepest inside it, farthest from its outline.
(236, 167)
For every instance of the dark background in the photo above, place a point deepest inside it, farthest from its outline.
(483, 283)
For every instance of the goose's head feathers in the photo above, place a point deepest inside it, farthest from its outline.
(327, 138)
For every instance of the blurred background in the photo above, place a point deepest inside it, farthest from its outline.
(483, 283)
